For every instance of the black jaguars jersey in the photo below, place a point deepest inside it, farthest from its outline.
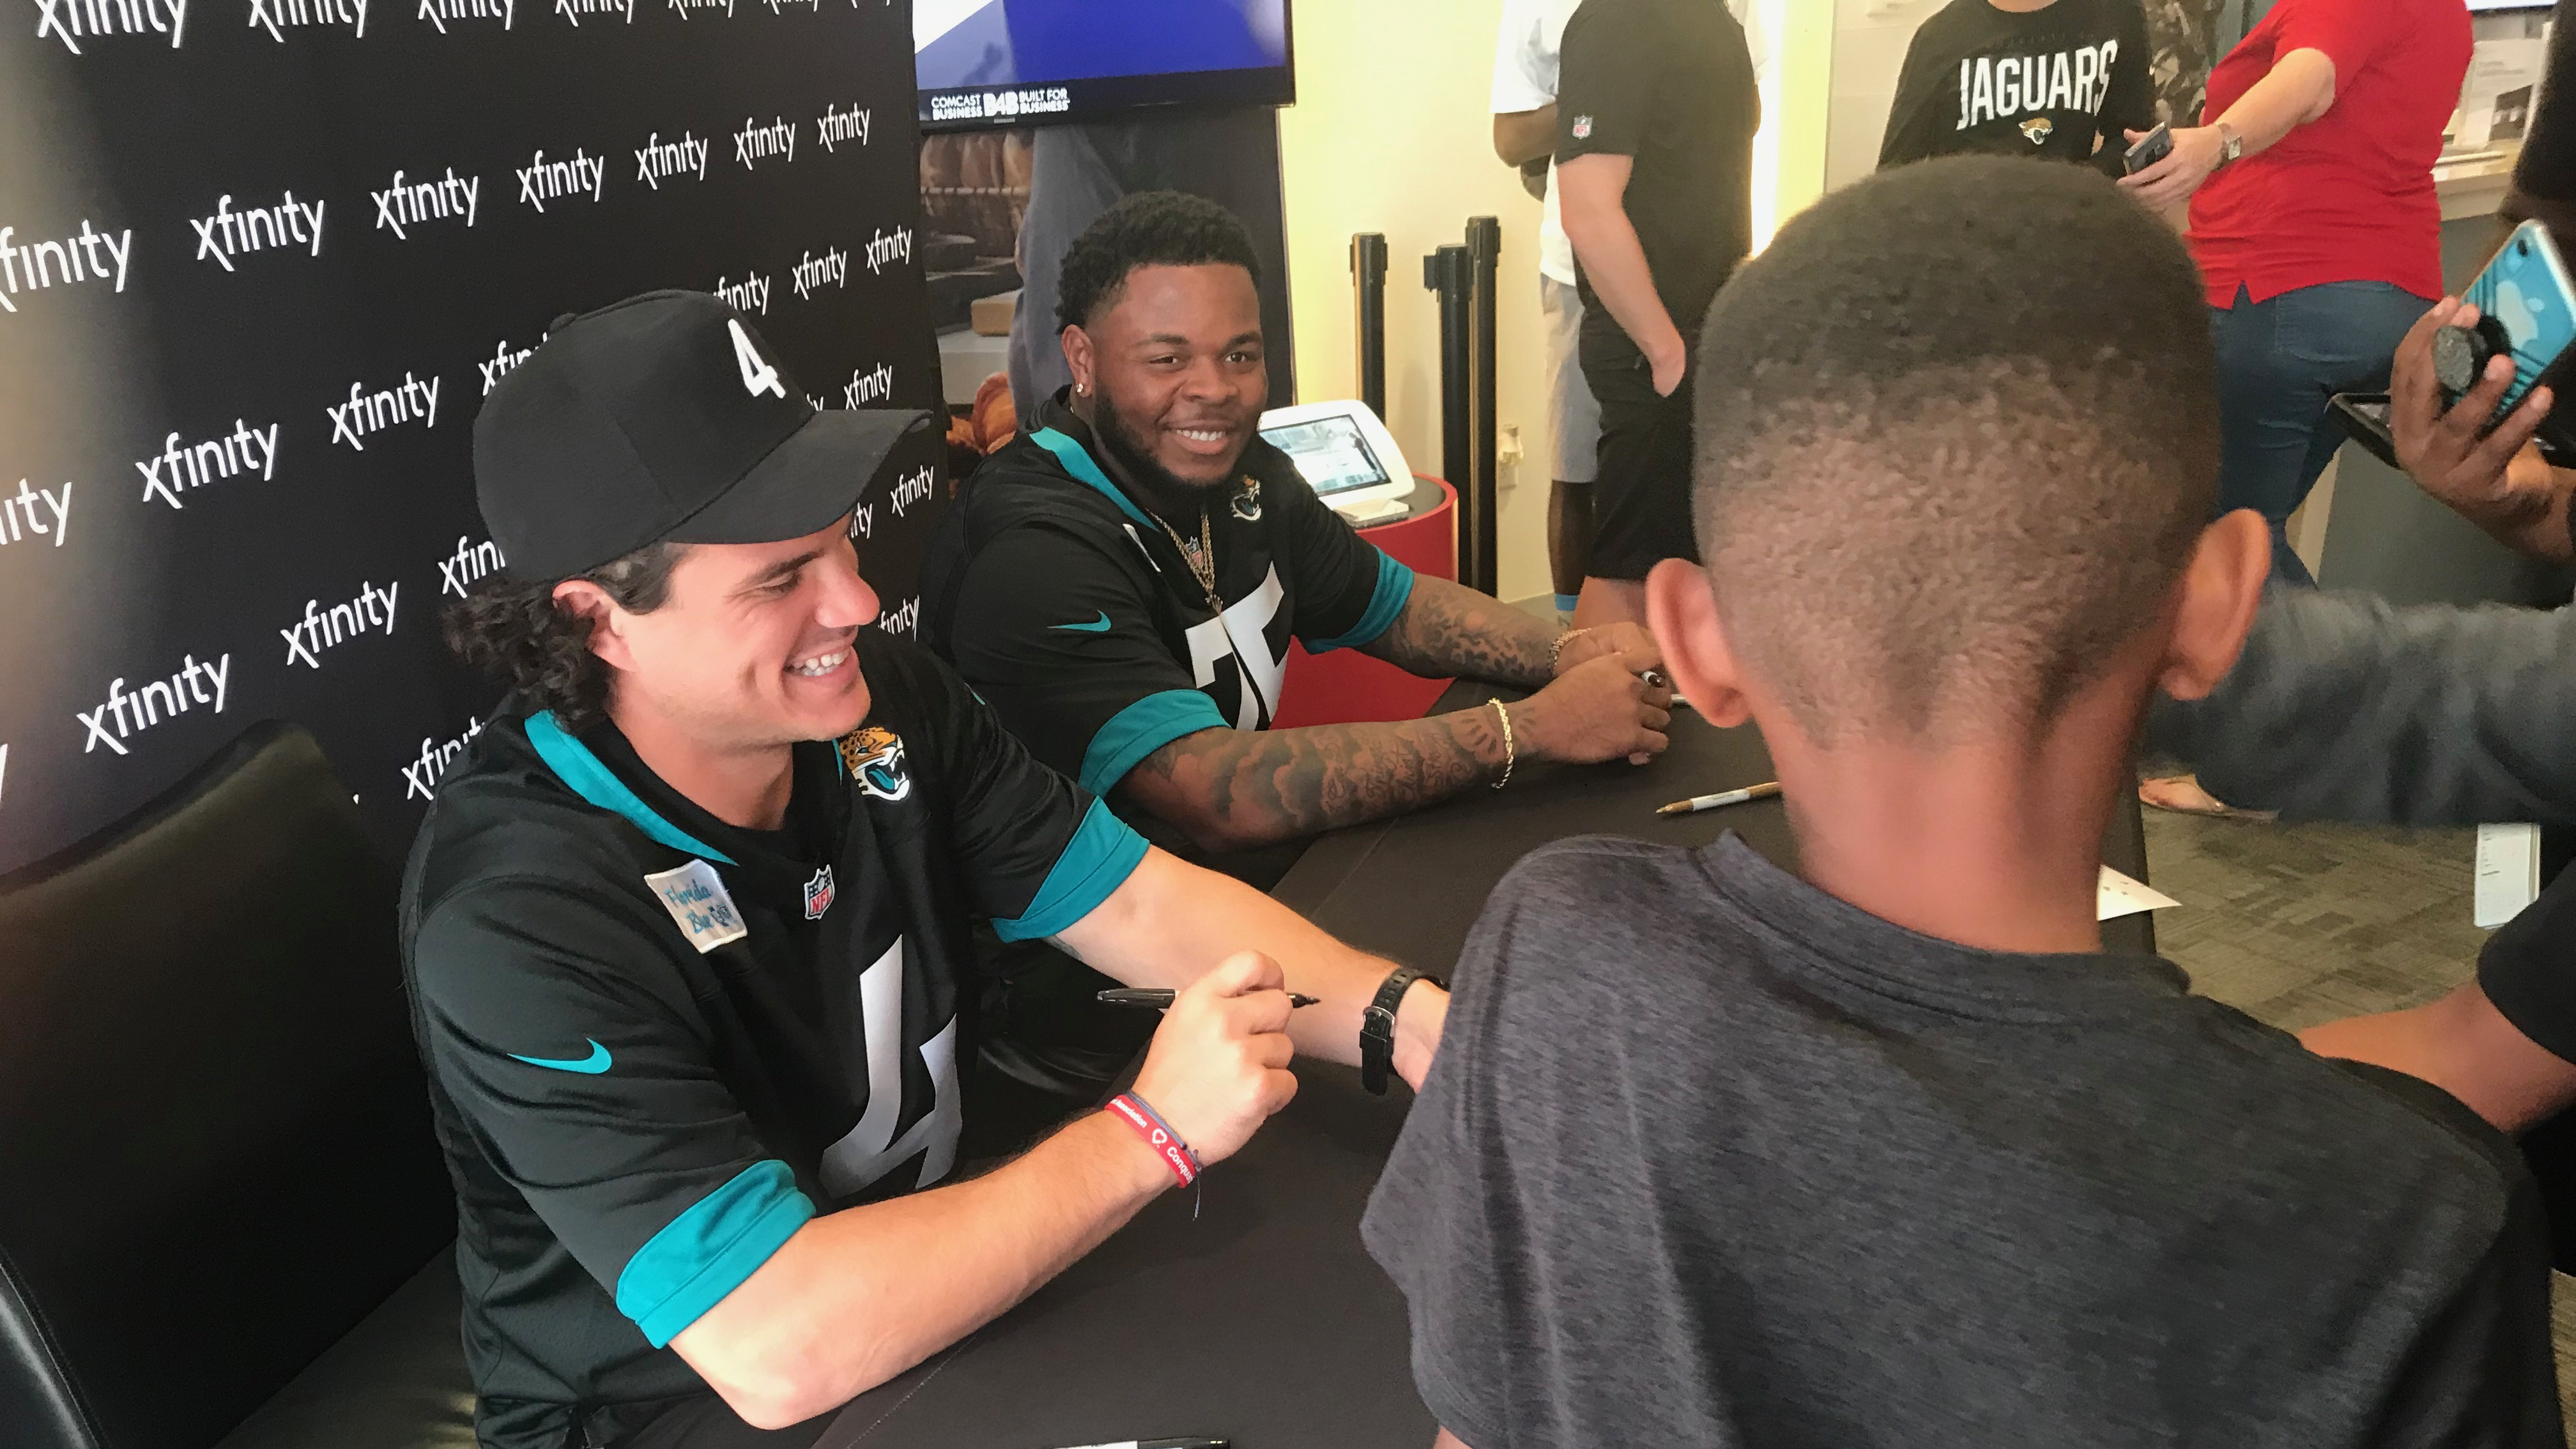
(1074, 611)
(659, 1044)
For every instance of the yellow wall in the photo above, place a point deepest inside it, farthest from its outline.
(1393, 132)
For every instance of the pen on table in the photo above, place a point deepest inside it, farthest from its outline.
(1159, 998)
(1159, 1444)
(1697, 803)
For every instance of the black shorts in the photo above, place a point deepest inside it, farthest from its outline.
(1641, 495)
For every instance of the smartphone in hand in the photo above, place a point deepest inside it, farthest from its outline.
(2152, 147)
(2528, 312)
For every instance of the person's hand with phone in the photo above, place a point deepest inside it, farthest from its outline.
(2194, 153)
(2494, 478)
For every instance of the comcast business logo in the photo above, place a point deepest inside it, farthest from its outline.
(73, 21)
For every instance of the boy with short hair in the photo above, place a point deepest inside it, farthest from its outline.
(1888, 1151)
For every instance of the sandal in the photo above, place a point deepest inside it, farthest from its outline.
(2182, 795)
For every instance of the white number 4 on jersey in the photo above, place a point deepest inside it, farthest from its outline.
(757, 375)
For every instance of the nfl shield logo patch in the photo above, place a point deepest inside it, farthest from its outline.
(818, 894)
(1582, 127)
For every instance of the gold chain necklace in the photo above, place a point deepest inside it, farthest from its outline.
(1202, 560)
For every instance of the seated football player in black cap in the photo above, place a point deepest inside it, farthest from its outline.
(689, 925)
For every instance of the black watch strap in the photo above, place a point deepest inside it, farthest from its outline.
(1377, 1025)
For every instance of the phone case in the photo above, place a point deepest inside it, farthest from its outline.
(2525, 288)
(2364, 416)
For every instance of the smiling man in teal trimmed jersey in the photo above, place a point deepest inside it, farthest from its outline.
(1121, 581)
(689, 928)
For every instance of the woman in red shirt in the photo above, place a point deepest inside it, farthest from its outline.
(2318, 233)
(2315, 223)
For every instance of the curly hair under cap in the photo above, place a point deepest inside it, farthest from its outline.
(514, 631)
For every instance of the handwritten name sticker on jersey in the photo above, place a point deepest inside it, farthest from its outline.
(698, 904)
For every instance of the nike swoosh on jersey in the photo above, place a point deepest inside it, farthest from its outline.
(1097, 626)
(589, 1066)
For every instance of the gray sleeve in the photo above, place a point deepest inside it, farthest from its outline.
(2344, 707)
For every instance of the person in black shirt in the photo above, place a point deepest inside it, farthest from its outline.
(689, 928)
(1122, 580)
(1656, 109)
(2054, 78)
(1900, 1155)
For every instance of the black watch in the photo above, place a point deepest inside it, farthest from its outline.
(1377, 1025)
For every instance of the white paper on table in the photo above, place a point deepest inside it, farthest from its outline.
(2117, 895)
(2508, 873)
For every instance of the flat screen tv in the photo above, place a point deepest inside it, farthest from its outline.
(1035, 62)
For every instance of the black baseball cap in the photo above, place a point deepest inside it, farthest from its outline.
(663, 418)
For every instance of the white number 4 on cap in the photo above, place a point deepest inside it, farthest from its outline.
(757, 376)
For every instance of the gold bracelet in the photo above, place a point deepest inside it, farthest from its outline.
(1556, 649)
(1511, 755)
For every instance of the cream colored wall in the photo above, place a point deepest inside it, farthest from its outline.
(1393, 132)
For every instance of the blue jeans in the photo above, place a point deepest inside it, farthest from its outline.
(2278, 362)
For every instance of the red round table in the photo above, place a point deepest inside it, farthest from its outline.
(1346, 685)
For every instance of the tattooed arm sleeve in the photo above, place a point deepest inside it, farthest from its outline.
(1450, 629)
(1233, 789)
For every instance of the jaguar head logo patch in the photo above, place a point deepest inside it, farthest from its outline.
(2038, 129)
(874, 757)
(1246, 503)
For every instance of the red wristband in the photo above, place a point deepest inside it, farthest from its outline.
(1129, 1108)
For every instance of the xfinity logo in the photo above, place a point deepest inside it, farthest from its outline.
(574, 10)
(751, 294)
(863, 519)
(837, 125)
(441, 13)
(911, 488)
(657, 160)
(229, 233)
(873, 385)
(685, 6)
(779, 7)
(91, 256)
(180, 466)
(470, 562)
(813, 274)
(501, 361)
(422, 773)
(901, 621)
(887, 247)
(19, 516)
(408, 204)
(756, 143)
(270, 14)
(70, 21)
(372, 412)
(322, 628)
(126, 715)
(541, 180)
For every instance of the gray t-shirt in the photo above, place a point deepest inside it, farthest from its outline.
(1710, 1157)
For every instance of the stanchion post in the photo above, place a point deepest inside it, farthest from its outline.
(1484, 252)
(1448, 273)
(1368, 278)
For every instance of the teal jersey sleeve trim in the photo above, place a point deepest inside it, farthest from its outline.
(1394, 589)
(1079, 464)
(1142, 728)
(1103, 852)
(706, 1252)
(579, 769)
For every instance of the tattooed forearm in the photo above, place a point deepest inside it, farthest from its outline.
(1450, 629)
(1233, 789)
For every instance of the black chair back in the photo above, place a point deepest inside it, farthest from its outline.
(215, 1147)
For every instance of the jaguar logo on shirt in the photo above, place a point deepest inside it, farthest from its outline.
(2037, 130)
(818, 894)
(1247, 501)
(874, 757)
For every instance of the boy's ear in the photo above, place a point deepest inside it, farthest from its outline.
(1681, 609)
(2214, 603)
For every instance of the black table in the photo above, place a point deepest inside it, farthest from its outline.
(1409, 888)
(1264, 1321)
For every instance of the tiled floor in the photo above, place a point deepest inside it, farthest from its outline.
(2298, 925)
